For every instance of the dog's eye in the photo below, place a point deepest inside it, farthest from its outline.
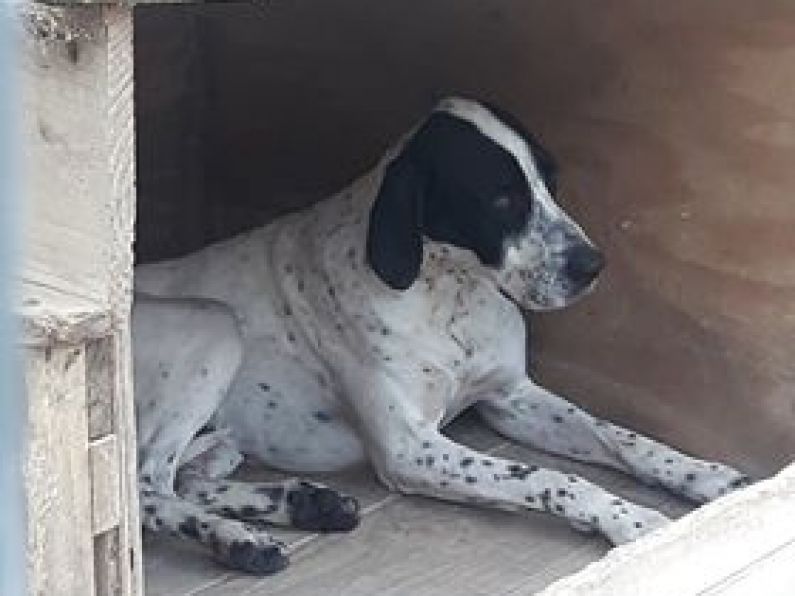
(504, 202)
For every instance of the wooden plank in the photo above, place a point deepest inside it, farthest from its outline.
(771, 575)
(48, 315)
(129, 535)
(103, 464)
(100, 387)
(107, 564)
(76, 70)
(76, 74)
(702, 550)
(59, 545)
(121, 134)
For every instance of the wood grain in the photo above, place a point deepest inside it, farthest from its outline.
(60, 557)
(76, 70)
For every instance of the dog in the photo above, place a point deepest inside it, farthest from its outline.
(357, 329)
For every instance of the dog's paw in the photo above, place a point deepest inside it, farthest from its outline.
(320, 509)
(254, 556)
(627, 522)
(711, 482)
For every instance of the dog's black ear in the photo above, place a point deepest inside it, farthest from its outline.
(394, 237)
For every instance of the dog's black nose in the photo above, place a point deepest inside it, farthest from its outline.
(583, 263)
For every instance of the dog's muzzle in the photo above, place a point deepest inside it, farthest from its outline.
(583, 264)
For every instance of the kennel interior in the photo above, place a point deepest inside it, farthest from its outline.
(674, 130)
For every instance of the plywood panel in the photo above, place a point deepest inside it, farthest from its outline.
(673, 124)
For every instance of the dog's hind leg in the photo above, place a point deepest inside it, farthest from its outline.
(530, 414)
(232, 542)
(294, 503)
(186, 355)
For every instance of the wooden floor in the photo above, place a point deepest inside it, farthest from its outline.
(411, 545)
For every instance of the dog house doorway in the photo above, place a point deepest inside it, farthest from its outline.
(249, 111)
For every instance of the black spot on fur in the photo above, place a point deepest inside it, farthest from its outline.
(222, 489)
(190, 527)
(557, 418)
(321, 416)
(150, 509)
(520, 472)
(264, 386)
(471, 479)
(254, 558)
(466, 462)
(546, 497)
(690, 476)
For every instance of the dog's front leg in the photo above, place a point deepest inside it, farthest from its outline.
(411, 455)
(423, 461)
(535, 416)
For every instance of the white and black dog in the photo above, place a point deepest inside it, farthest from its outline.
(357, 329)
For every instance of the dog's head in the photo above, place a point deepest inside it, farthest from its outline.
(472, 177)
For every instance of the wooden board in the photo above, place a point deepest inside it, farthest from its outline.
(60, 549)
(75, 68)
(740, 544)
